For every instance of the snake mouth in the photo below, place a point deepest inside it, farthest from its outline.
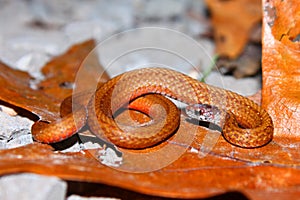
(204, 115)
(206, 124)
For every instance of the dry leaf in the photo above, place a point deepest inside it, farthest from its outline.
(233, 22)
(247, 64)
(16, 91)
(59, 73)
(281, 89)
(225, 169)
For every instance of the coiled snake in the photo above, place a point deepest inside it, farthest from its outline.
(244, 123)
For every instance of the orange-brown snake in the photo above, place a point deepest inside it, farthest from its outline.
(244, 124)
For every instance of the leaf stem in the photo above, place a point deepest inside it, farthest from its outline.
(210, 68)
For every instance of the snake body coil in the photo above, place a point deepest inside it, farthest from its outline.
(244, 123)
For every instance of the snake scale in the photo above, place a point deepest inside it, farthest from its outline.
(244, 123)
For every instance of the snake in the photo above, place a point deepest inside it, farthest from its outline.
(150, 90)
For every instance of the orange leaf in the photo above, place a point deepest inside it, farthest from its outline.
(44, 101)
(232, 22)
(281, 89)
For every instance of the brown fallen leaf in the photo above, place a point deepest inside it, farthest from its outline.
(233, 22)
(187, 177)
(59, 73)
(246, 64)
(281, 85)
(16, 91)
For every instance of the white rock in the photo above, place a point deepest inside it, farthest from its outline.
(32, 187)
(76, 197)
(9, 124)
(109, 157)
